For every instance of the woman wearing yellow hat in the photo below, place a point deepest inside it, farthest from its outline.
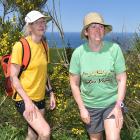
(31, 85)
(98, 80)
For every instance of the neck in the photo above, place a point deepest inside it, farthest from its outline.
(36, 39)
(95, 46)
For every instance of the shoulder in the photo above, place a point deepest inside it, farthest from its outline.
(17, 46)
(16, 56)
(112, 46)
(80, 49)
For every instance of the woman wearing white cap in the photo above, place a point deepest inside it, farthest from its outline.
(32, 82)
(98, 80)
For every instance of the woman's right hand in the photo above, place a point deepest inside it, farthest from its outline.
(85, 115)
(30, 110)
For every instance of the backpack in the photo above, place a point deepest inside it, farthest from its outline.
(5, 63)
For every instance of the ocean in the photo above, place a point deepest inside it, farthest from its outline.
(72, 39)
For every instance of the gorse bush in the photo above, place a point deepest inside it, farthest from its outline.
(9, 34)
(65, 118)
(132, 118)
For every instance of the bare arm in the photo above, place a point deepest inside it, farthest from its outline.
(121, 78)
(51, 93)
(75, 83)
(30, 108)
(15, 69)
(48, 86)
(117, 112)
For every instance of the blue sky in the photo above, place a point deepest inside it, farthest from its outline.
(121, 14)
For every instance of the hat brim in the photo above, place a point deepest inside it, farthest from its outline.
(108, 28)
(46, 17)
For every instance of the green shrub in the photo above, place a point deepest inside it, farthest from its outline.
(132, 118)
(64, 120)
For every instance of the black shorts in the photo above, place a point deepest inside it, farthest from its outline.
(21, 106)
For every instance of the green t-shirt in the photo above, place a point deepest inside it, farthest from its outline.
(97, 72)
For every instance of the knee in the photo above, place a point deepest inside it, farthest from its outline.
(113, 137)
(97, 136)
(45, 133)
(31, 135)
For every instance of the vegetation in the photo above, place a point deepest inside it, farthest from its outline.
(64, 120)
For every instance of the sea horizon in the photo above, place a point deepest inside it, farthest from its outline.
(73, 39)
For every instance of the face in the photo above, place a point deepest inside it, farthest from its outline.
(38, 27)
(95, 32)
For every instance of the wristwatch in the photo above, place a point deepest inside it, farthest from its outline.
(120, 104)
(49, 92)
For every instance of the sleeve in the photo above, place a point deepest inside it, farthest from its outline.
(16, 57)
(75, 63)
(119, 61)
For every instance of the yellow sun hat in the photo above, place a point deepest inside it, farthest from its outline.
(94, 17)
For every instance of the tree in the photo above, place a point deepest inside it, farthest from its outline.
(12, 22)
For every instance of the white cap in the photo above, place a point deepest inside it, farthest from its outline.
(33, 16)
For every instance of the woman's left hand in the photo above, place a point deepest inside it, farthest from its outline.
(117, 112)
(52, 101)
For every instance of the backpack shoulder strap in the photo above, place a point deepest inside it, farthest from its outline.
(26, 55)
(46, 48)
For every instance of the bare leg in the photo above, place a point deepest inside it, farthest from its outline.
(40, 126)
(97, 136)
(32, 135)
(112, 132)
